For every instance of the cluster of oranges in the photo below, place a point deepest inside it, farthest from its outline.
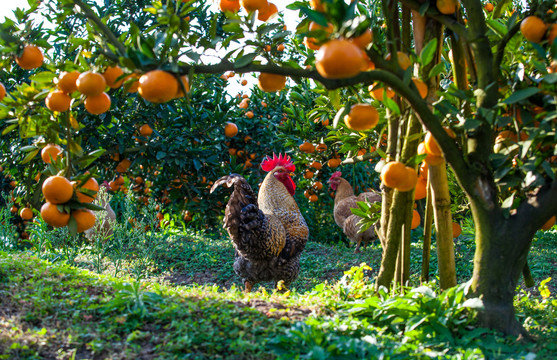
(58, 191)
(265, 10)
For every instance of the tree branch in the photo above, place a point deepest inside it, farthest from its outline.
(501, 48)
(90, 14)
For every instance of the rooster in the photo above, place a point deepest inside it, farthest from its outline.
(346, 200)
(268, 230)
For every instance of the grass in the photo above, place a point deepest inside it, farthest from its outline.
(173, 294)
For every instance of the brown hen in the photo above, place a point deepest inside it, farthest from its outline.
(346, 200)
(268, 231)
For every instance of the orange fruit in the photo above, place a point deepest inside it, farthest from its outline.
(307, 147)
(253, 5)
(363, 40)
(186, 83)
(431, 145)
(229, 5)
(403, 60)
(158, 86)
(410, 180)
(549, 223)
(422, 87)
(123, 165)
(339, 58)
(58, 101)
(457, 230)
(361, 117)
(430, 159)
(244, 82)
(447, 7)
(308, 174)
(321, 147)
(51, 151)
(67, 81)
(312, 42)
(318, 185)
(244, 104)
(489, 8)
(145, 130)
(271, 82)
(131, 83)
(552, 33)
(313, 198)
(230, 129)
(113, 186)
(90, 83)
(416, 219)
(2, 91)
(53, 217)
(265, 14)
(31, 58)
(90, 184)
(376, 91)
(57, 189)
(26, 213)
(317, 5)
(97, 104)
(420, 191)
(316, 165)
(111, 76)
(334, 163)
(249, 114)
(85, 219)
(393, 174)
(533, 28)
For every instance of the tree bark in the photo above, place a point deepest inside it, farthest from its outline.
(443, 225)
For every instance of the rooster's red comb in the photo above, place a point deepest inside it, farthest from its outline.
(335, 175)
(282, 160)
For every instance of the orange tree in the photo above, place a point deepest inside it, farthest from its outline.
(510, 188)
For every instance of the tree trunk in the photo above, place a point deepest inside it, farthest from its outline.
(441, 200)
(498, 263)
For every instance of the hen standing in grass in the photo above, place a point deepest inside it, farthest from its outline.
(268, 231)
(346, 200)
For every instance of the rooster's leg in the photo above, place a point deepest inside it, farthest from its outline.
(248, 286)
(357, 250)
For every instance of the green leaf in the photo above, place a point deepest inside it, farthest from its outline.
(244, 60)
(315, 16)
(497, 27)
(508, 202)
(428, 52)
(521, 95)
(436, 70)
(93, 207)
(391, 104)
(9, 128)
(30, 156)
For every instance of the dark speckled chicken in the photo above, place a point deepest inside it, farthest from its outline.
(268, 230)
(346, 200)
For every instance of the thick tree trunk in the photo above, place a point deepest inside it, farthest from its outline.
(500, 257)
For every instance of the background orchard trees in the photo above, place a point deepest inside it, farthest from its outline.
(499, 103)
